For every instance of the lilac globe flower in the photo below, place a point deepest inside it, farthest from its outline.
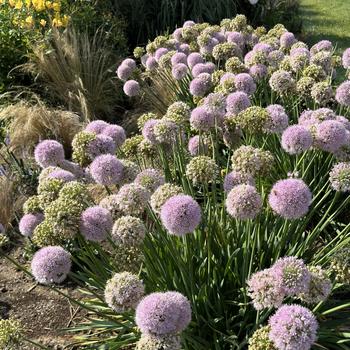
(107, 170)
(200, 68)
(160, 52)
(200, 85)
(163, 313)
(201, 119)
(51, 265)
(184, 48)
(116, 132)
(131, 88)
(258, 71)
(124, 72)
(346, 58)
(236, 38)
(293, 327)
(151, 179)
(130, 63)
(330, 135)
(95, 223)
(198, 145)
(235, 178)
(179, 71)
(296, 139)
(343, 93)
(61, 174)
(97, 126)
(102, 144)
(243, 202)
(148, 130)
(339, 177)
(49, 153)
(323, 45)
(278, 120)
(290, 198)
(151, 63)
(180, 214)
(287, 39)
(345, 121)
(237, 102)
(29, 222)
(194, 58)
(244, 82)
(179, 57)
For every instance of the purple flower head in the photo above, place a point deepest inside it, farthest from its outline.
(296, 139)
(130, 63)
(124, 72)
(198, 145)
(163, 313)
(179, 57)
(346, 59)
(227, 76)
(209, 47)
(151, 63)
(342, 94)
(95, 223)
(293, 274)
(102, 144)
(243, 202)
(215, 103)
(200, 85)
(236, 38)
(184, 48)
(237, 102)
(106, 170)
(265, 289)
(258, 71)
(235, 178)
(262, 48)
(177, 34)
(29, 222)
(323, 45)
(97, 126)
(179, 71)
(300, 51)
(194, 58)
(131, 88)
(278, 119)
(248, 58)
(290, 198)
(148, 130)
(282, 82)
(188, 24)
(244, 82)
(345, 121)
(201, 119)
(287, 39)
(293, 327)
(339, 177)
(51, 265)
(151, 179)
(116, 132)
(330, 135)
(160, 52)
(49, 153)
(61, 174)
(180, 214)
(200, 68)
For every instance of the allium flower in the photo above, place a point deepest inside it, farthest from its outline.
(65, 176)
(322, 59)
(102, 144)
(299, 59)
(151, 63)
(323, 45)
(81, 147)
(95, 223)
(201, 119)
(116, 132)
(312, 118)
(235, 37)
(48, 191)
(345, 121)
(320, 286)
(235, 178)
(32, 205)
(296, 139)
(106, 170)
(263, 48)
(160, 52)
(293, 327)
(144, 118)
(343, 93)
(179, 71)
(131, 88)
(258, 71)
(265, 289)
(215, 103)
(96, 126)
(132, 199)
(200, 68)
(128, 231)
(282, 82)
(51, 265)
(235, 65)
(287, 39)
(330, 135)
(292, 274)
(180, 214)
(346, 59)
(278, 120)
(162, 194)
(237, 102)
(152, 342)
(304, 86)
(130, 146)
(200, 85)
(198, 145)
(148, 130)
(244, 82)
(179, 57)
(194, 58)
(252, 160)
(166, 131)
(151, 179)
(243, 202)
(130, 63)
(49, 153)
(225, 50)
(163, 313)
(290, 198)
(123, 292)
(315, 72)
(260, 340)
(201, 170)
(179, 112)
(339, 177)
(29, 222)
(44, 235)
(322, 92)
(124, 72)
(111, 204)
(10, 334)
(253, 119)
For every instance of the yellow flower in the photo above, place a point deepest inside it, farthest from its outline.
(56, 22)
(49, 5)
(29, 21)
(18, 5)
(56, 6)
(42, 22)
(65, 20)
(12, 3)
(39, 5)
(28, 3)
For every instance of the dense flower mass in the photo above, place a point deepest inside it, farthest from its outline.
(128, 231)
(49, 153)
(106, 170)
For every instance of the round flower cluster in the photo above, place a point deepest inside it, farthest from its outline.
(339, 177)
(49, 153)
(235, 178)
(10, 334)
(162, 194)
(152, 342)
(151, 179)
(128, 231)
(202, 170)
(260, 340)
